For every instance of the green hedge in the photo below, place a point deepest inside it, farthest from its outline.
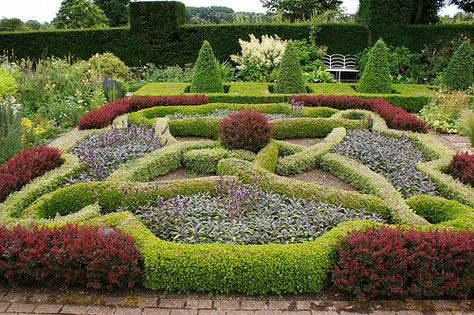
(267, 157)
(310, 157)
(289, 128)
(442, 212)
(204, 160)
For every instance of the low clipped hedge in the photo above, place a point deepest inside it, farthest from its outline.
(204, 160)
(225, 268)
(309, 158)
(267, 158)
(442, 212)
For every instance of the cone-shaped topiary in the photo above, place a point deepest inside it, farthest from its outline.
(206, 76)
(376, 76)
(290, 78)
(459, 74)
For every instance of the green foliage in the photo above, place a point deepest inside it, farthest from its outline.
(289, 128)
(290, 78)
(204, 160)
(115, 10)
(107, 65)
(300, 10)
(145, 17)
(442, 211)
(12, 25)
(206, 76)
(460, 72)
(80, 14)
(153, 73)
(8, 84)
(267, 157)
(376, 75)
(10, 129)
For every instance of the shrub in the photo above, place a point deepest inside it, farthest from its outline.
(108, 66)
(25, 166)
(393, 158)
(246, 130)
(243, 214)
(462, 167)
(71, 255)
(104, 116)
(260, 58)
(443, 111)
(391, 263)
(206, 76)
(395, 117)
(8, 84)
(459, 74)
(290, 78)
(376, 75)
(204, 160)
(10, 129)
(112, 89)
(103, 153)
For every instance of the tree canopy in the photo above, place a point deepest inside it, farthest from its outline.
(294, 10)
(117, 11)
(80, 14)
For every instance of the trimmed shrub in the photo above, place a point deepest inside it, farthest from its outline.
(108, 66)
(267, 158)
(104, 116)
(99, 258)
(206, 76)
(395, 117)
(246, 130)
(204, 160)
(290, 78)
(376, 76)
(391, 263)
(462, 167)
(442, 211)
(460, 72)
(25, 166)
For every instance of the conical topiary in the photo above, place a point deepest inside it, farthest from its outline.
(459, 74)
(376, 76)
(290, 78)
(206, 76)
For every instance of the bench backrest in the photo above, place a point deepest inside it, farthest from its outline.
(338, 61)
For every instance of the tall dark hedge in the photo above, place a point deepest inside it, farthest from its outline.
(376, 76)
(460, 71)
(158, 36)
(290, 78)
(206, 75)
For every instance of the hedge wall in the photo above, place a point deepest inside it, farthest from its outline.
(157, 35)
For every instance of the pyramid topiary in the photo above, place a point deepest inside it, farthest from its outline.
(290, 78)
(206, 75)
(459, 74)
(376, 76)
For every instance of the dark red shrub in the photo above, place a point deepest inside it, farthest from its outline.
(390, 263)
(396, 118)
(245, 130)
(25, 166)
(462, 167)
(104, 116)
(70, 255)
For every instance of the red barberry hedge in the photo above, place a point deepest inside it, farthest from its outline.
(395, 117)
(70, 255)
(391, 263)
(246, 130)
(462, 167)
(104, 116)
(25, 166)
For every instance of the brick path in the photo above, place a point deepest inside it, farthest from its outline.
(91, 303)
(455, 142)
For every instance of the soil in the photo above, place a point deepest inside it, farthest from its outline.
(190, 139)
(321, 177)
(306, 142)
(181, 173)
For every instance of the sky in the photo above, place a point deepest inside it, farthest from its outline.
(45, 10)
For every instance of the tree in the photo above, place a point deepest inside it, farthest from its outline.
(80, 14)
(117, 11)
(290, 78)
(300, 9)
(376, 76)
(33, 24)
(459, 74)
(213, 15)
(206, 76)
(12, 25)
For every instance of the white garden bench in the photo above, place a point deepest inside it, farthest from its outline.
(339, 64)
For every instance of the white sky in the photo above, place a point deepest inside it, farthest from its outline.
(45, 10)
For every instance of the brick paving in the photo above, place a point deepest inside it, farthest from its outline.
(160, 304)
(455, 142)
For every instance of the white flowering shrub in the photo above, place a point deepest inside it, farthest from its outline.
(259, 59)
